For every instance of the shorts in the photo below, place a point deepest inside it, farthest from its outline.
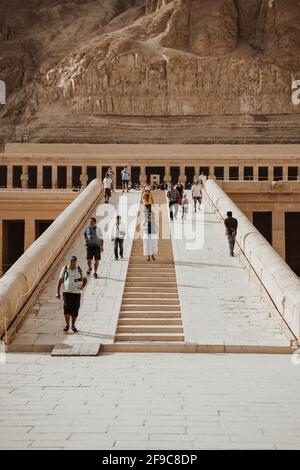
(197, 198)
(93, 252)
(71, 303)
(107, 192)
(125, 182)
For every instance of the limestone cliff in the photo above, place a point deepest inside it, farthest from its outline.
(146, 58)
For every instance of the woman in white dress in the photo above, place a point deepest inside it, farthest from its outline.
(150, 237)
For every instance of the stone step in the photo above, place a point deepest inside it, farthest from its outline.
(132, 278)
(154, 295)
(143, 301)
(150, 347)
(152, 321)
(149, 307)
(150, 337)
(148, 315)
(150, 290)
(149, 329)
(160, 270)
(144, 264)
(150, 284)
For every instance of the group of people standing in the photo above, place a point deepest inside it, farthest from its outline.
(177, 199)
(108, 183)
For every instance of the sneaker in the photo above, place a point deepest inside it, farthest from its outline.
(66, 328)
(88, 272)
(95, 275)
(122, 257)
(116, 259)
(74, 329)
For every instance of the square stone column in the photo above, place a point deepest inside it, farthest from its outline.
(285, 173)
(255, 173)
(226, 172)
(9, 176)
(241, 172)
(54, 176)
(69, 177)
(143, 176)
(182, 175)
(99, 172)
(167, 177)
(114, 176)
(24, 177)
(278, 230)
(83, 177)
(39, 177)
(29, 232)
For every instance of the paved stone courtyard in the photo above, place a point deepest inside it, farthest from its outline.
(150, 401)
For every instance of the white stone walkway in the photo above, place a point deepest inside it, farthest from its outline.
(100, 304)
(150, 401)
(221, 303)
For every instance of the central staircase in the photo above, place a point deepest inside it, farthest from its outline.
(150, 314)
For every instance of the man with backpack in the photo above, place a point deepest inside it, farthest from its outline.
(231, 225)
(73, 283)
(94, 246)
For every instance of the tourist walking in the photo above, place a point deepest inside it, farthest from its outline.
(150, 237)
(185, 206)
(203, 178)
(111, 175)
(94, 246)
(107, 185)
(148, 200)
(180, 189)
(231, 225)
(73, 282)
(197, 195)
(173, 195)
(117, 235)
(125, 178)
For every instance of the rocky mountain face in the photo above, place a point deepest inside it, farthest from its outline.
(80, 61)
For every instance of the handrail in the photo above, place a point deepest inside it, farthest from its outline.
(18, 283)
(273, 272)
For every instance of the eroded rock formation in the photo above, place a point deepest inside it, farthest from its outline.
(148, 58)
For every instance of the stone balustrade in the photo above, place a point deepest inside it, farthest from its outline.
(20, 281)
(281, 283)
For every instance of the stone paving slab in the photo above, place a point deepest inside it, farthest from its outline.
(221, 300)
(147, 401)
(77, 349)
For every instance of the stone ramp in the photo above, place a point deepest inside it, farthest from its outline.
(224, 306)
(42, 328)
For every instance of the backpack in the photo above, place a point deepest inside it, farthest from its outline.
(91, 236)
(65, 275)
